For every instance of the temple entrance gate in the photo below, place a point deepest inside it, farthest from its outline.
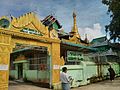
(11, 35)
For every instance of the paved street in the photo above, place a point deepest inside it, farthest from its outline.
(104, 85)
(23, 86)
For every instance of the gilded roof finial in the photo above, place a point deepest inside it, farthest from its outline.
(74, 14)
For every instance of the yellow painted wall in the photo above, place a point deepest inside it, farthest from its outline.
(5, 49)
(55, 63)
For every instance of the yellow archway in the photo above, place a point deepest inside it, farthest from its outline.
(12, 34)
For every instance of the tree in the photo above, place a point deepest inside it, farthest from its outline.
(114, 12)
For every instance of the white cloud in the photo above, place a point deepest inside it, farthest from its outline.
(92, 33)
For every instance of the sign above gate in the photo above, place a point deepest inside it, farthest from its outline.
(31, 31)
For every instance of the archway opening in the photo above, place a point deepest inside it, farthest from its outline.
(30, 63)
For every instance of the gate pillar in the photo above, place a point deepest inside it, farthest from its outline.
(5, 50)
(55, 64)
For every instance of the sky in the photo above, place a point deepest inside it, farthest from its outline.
(91, 14)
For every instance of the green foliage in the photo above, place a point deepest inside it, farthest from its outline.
(114, 12)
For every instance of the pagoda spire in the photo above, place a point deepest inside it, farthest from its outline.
(74, 30)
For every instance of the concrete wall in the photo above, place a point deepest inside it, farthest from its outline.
(82, 74)
(34, 75)
(88, 72)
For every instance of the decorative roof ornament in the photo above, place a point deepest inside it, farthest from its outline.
(74, 14)
(86, 39)
(4, 22)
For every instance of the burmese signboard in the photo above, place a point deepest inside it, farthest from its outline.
(74, 56)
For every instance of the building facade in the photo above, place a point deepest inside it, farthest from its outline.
(38, 49)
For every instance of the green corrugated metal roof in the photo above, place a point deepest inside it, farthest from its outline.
(78, 45)
(100, 39)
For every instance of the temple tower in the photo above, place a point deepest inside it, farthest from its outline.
(74, 30)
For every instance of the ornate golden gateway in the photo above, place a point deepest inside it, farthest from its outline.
(14, 31)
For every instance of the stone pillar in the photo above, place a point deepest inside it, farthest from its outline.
(5, 50)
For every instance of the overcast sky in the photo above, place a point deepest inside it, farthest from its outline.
(91, 14)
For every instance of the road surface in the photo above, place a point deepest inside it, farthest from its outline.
(103, 85)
